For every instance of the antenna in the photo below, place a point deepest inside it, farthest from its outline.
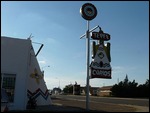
(30, 36)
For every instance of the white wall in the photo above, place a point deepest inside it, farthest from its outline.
(32, 84)
(18, 58)
(14, 60)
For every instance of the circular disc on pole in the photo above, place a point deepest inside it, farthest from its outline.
(88, 11)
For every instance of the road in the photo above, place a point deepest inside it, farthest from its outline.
(108, 104)
(113, 100)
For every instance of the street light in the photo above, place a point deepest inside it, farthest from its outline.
(59, 82)
(44, 67)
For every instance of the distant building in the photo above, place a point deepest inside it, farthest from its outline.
(104, 91)
(56, 91)
(21, 75)
(76, 89)
(97, 91)
(92, 90)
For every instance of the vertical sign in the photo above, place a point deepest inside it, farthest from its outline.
(100, 66)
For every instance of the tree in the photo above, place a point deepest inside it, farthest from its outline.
(147, 83)
(126, 80)
(143, 89)
(68, 89)
(125, 88)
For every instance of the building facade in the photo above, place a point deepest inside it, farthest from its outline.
(21, 75)
(105, 91)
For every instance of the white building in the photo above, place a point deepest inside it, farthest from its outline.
(21, 75)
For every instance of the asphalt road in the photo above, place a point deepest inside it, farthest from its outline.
(113, 100)
(72, 103)
(103, 104)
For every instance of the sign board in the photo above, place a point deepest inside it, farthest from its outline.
(100, 66)
(88, 11)
(100, 36)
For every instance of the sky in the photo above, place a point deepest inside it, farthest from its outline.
(58, 25)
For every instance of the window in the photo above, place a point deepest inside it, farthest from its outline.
(8, 83)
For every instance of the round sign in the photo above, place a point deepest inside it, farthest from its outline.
(88, 11)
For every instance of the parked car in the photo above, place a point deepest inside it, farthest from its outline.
(4, 100)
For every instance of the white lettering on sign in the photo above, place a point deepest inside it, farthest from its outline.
(102, 36)
(99, 73)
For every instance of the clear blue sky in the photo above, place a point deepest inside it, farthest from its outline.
(59, 25)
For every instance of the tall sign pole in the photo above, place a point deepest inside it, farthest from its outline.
(88, 12)
(87, 66)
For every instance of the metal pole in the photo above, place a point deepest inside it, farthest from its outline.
(59, 83)
(90, 31)
(88, 56)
